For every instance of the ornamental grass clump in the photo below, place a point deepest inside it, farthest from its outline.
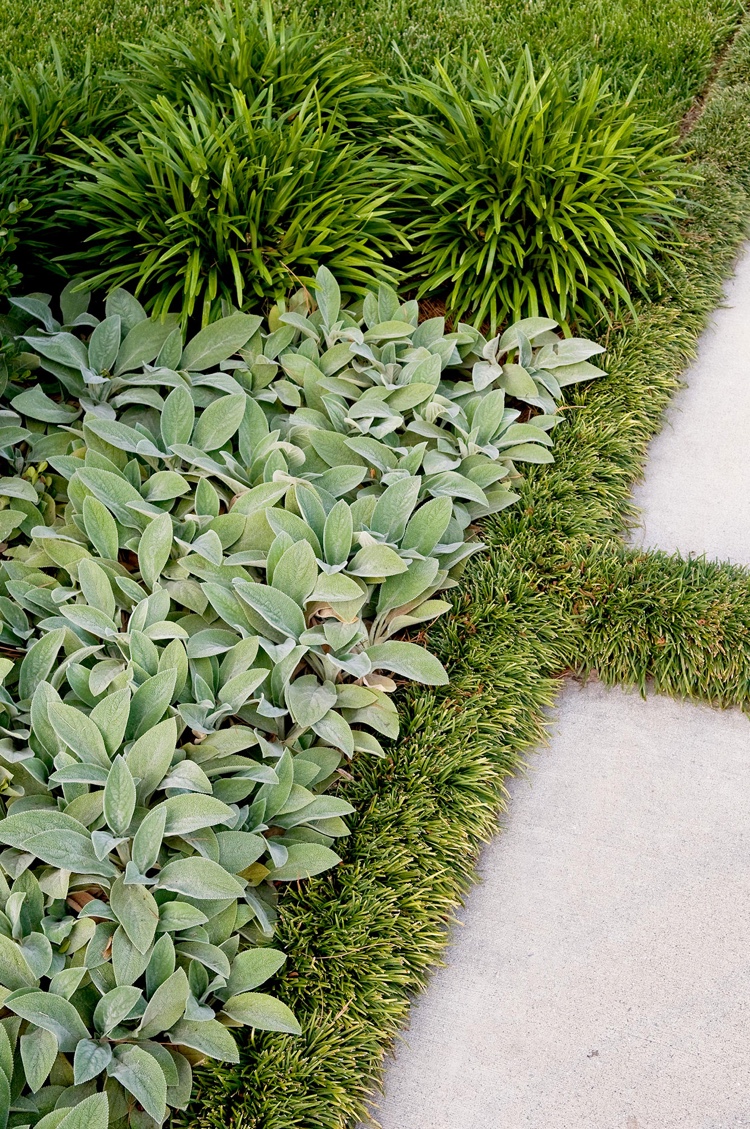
(41, 112)
(251, 154)
(527, 195)
(209, 548)
(247, 49)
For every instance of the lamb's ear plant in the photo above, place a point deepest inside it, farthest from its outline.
(210, 547)
(527, 194)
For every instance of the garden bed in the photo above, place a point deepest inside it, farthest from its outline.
(557, 593)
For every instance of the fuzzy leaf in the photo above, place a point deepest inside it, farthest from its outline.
(38, 1053)
(408, 660)
(218, 422)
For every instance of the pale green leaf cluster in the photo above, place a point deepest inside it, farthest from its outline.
(211, 545)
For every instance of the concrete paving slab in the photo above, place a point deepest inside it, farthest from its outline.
(696, 496)
(601, 978)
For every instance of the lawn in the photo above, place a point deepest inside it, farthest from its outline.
(557, 591)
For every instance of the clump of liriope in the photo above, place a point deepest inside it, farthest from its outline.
(209, 547)
(526, 193)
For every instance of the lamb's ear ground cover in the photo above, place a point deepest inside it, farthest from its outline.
(211, 545)
(557, 592)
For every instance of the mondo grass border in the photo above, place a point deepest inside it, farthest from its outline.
(557, 592)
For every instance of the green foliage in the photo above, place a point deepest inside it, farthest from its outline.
(41, 111)
(245, 49)
(206, 201)
(558, 590)
(209, 548)
(668, 45)
(525, 195)
(10, 214)
(249, 157)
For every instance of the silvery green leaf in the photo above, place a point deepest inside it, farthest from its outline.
(304, 861)
(528, 453)
(321, 807)
(53, 1013)
(178, 417)
(453, 485)
(177, 915)
(38, 1053)
(68, 850)
(427, 525)
(239, 849)
(430, 609)
(161, 964)
(61, 348)
(104, 344)
(103, 842)
(111, 717)
(15, 972)
(237, 690)
(142, 344)
(408, 586)
(38, 952)
(572, 374)
(211, 1038)
(148, 839)
(164, 486)
(208, 955)
(149, 704)
(90, 1060)
(309, 700)
(212, 641)
(140, 1074)
(101, 528)
(150, 756)
(128, 962)
(187, 776)
(166, 1006)
(335, 588)
(119, 796)
(90, 1113)
(265, 1013)
(334, 730)
(38, 662)
(91, 620)
(79, 733)
(408, 660)
(39, 309)
(74, 302)
(189, 813)
(276, 608)
(199, 878)
(219, 341)
(154, 548)
(114, 1007)
(67, 981)
(35, 404)
(376, 560)
(252, 968)
(218, 422)
(116, 493)
(208, 545)
(296, 572)
(96, 588)
(137, 912)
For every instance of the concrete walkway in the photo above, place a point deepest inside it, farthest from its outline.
(601, 979)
